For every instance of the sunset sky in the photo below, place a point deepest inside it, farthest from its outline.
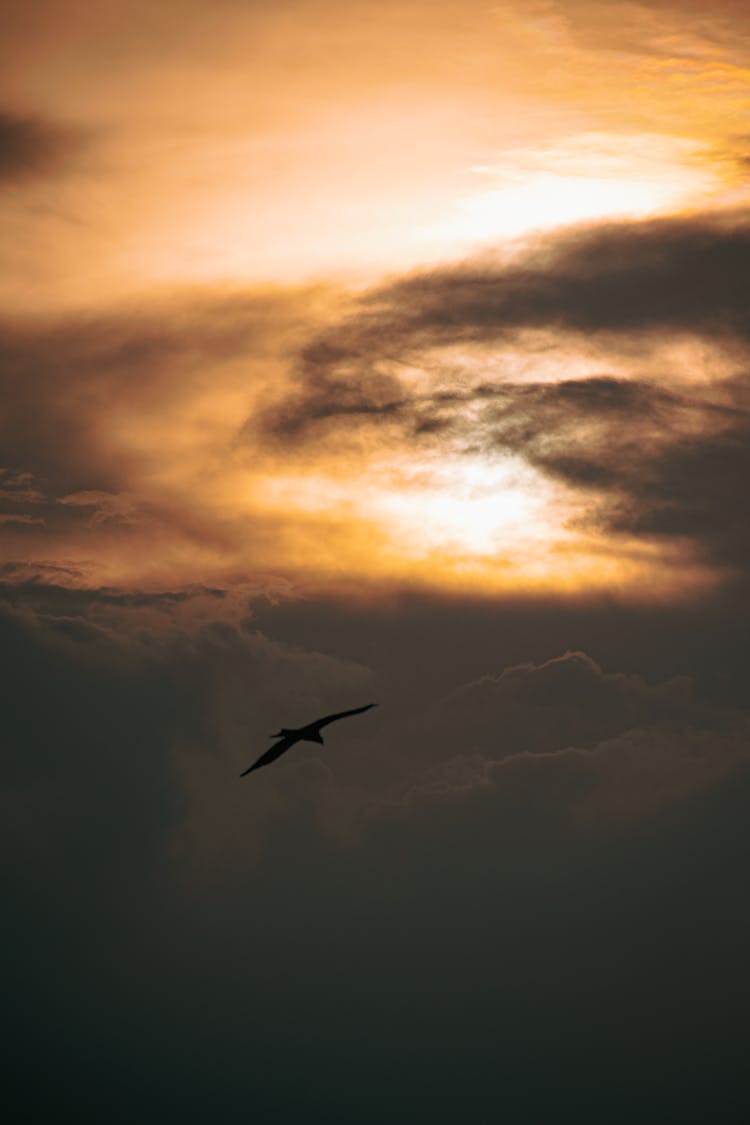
(376, 351)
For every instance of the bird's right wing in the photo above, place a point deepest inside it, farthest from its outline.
(271, 755)
(341, 715)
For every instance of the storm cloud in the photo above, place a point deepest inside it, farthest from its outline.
(537, 845)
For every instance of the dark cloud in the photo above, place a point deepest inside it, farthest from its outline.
(671, 274)
(694, 490)
(31, 147)
(371, 396)
(620, 279)
(506, 911)
(20, 588)
(567, 701)
(663, 464)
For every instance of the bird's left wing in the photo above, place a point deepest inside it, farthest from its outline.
(270, 755)
(341, 715)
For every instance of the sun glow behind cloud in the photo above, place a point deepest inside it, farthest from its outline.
(461, 523)
(469, 505)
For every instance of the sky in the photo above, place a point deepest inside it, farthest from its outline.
(376, 352)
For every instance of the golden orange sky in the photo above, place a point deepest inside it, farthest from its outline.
(209, 193)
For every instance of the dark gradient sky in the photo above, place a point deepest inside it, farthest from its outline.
(390, 352)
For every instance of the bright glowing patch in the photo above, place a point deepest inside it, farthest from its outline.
(588, 178)
(461, 504)
(474, 507)
(549, 201)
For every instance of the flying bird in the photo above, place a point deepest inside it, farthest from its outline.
(310, 733)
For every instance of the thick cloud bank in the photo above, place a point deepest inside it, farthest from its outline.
(544, 866)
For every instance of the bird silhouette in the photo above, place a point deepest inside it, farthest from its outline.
(310, 733)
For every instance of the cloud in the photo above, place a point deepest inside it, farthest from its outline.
(692, 489)
(611, 282)
(675, 274)
(654, 454)
(567, 701)
(29, 521)
(132, 426)
(103, 506)
(121, 423)
(609, 746)
(160, 697)
(162, 912)
(208, 686)
(72, 381)
(655, 463)
(69, 381)
(32, 147)
(660, 464)
(518, 888)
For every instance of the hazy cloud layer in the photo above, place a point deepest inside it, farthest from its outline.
(68, 383)
(114, 425)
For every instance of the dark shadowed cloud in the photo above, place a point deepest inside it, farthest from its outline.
(620, 281)
(677, 274)
(32, 147)
(662, 463)
(545, 861)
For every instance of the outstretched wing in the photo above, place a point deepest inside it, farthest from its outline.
(340, 715)
(271, 755)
